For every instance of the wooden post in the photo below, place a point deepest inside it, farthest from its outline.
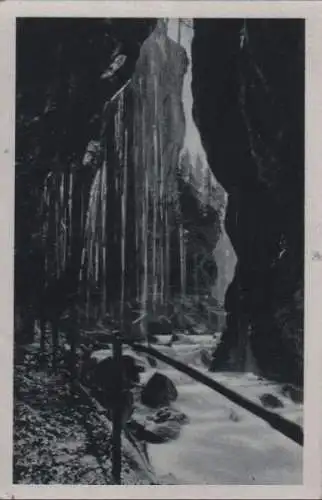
(117, 412)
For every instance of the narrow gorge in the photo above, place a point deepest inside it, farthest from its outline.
(159, 199)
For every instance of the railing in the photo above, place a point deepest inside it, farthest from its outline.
(289, 429)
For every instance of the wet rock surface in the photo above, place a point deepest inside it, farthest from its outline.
(169, 413)
(271, 401)
(158, 391)
(251, 121)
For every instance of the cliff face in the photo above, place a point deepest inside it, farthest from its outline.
(66, 70)
(130, 138)
(187, 204)
(249, 106)
(122, 205)
(155, 190)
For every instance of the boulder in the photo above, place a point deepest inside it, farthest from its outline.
(270, 401)
(101, 373)
(233, 416)
(182, 338)
(155, 433)
(165, 431)
(152, 361)
(161, 326)
(205, 357)
(292, 392)
(159, 391)
(152, 339)
(166, 414)
(107, 400)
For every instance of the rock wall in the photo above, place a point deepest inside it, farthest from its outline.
(190, 204)
(249, 107)
(161, 205)
(150, 221)
(64, 77)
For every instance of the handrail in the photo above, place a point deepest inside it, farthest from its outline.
(289, 429)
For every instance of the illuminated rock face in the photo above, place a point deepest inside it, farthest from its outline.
(198, 171)
(183, 242)
(161, 238)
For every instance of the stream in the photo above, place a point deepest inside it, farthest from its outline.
(222, 443)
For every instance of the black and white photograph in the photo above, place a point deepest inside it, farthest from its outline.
(159, 232)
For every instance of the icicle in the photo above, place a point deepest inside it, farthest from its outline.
(145, 220)
(182, 259)
(57, 232)
(62, 225)
(104, 296)
(116, 128)
(144, 248)
(167, 249)
(61, 188)
(118, 125)
(161, 206)
(96, 261)
(81, 271)
(103, 235)
(155, 195)
(47, 229)
(145, 227)
(66, 228)
(137, 223)
(121, 113)
(70, 212)
(123, 227)
(91, 215)
(103, 201)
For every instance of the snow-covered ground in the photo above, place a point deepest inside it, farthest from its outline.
(224, 444)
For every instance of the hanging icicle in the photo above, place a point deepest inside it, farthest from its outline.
(155, 199)
(137, 220)
(162, 219)
(167, 250)
(57, 227)
(70, 213)
(90, 226)
(182, 260)
(103, 237)
(123, 227)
